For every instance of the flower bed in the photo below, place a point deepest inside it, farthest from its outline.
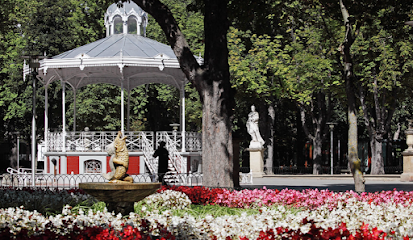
(43, 200)
(285, 214)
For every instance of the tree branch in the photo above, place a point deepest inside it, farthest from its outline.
(163, 16)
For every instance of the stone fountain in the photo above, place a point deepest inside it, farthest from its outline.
(120, 193)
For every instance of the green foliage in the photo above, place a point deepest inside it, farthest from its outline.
(191, 24)
(384, 61)
(193, 109)
(44, 201)
(85, 206)
(156, 107)
(254, 72)
(198, 211)
(35, 28)
(98, 107)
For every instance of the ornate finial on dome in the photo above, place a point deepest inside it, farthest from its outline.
(128, 19)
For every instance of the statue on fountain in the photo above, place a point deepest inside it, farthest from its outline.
(119, 161)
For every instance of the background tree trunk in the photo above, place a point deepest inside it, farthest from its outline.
(270, 141)
(320, 113)
(317, 151)
(377, 163)
(378, 126)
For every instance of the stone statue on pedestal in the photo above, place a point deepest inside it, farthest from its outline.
(253, 130)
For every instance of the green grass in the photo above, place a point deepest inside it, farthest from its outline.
(200, 211)
(85, 206)
(197, 211)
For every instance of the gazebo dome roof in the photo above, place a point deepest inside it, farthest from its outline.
(136, 59)
(121, 45)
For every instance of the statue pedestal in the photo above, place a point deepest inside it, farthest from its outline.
(256, 161)
(120, 197)
(407, 175)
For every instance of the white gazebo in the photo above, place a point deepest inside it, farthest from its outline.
(127, 59)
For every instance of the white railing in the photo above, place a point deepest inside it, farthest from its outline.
(177, 163)
(24, 176)
(69, 181)
(172, 143)
(193, 141)
(147, 149)
(91, 141)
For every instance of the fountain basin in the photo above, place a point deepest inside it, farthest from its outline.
(120, 197)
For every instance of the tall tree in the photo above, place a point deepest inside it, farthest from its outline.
(211, 81)
(383, 68)
(312, 79)
(349, 78)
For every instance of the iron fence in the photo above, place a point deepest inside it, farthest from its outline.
(68, 181)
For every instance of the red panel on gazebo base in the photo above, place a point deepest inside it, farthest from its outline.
(133, 165)
(107, 164)
(48, 164)
(73, 164)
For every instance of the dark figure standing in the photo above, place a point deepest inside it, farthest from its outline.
(163, 155)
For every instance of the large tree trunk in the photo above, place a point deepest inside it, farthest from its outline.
(211, 81)
(353, 159)
(217, 152)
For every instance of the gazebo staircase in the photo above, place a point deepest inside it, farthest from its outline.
(177, 164)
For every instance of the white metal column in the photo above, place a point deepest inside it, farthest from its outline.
(74, 109)
(183, 115)
(128, 109)
(125, 26)
(63, 163)
(34, 131)
(46, 117)
(122, 108)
